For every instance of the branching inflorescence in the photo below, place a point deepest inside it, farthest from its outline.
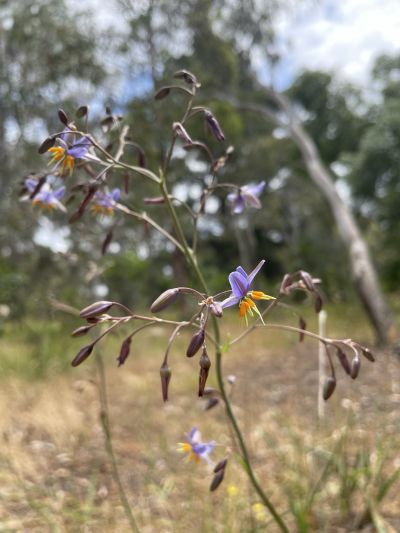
(75, 151)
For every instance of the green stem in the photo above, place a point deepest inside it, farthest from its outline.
(105, 422)
(245, 454)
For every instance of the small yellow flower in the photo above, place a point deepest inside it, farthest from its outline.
(259, 512)
(232, 491)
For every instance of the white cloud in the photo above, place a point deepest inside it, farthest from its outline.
(343, 36)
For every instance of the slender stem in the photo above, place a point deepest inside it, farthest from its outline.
(105, 422)
(188, 252)
(220, 379)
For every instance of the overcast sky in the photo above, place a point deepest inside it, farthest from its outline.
(341, 35)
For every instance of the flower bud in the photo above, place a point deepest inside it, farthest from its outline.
(355, 367)
(212, 402)
(162, 93)
(82, 111)
(187, 77)
(181, 132)
(106, 242)
(214, 126)
(367, 354)
(46, 144)
(221, 465)
(164, 300)
(124, 351)
(165, 373)
(82, 355)
(78, 332)
(217, 480)
(343, 361)
(205, 365)
(329, 387)
(216, 309)
(318, 303)
(95, 309)
(195, 343)
(63, 117)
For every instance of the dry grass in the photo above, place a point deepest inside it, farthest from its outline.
(55, 475)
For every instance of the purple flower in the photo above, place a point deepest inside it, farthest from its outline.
(45, 197)
(104, 202)
(247, 196)
(240, 283)
(196, 449)
(66, 156)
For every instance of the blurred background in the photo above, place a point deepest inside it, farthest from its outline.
(338, 64)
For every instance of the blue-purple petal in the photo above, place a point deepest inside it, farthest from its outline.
(229, 302)
(115, 194)
(254, 273)
(59, 193)
(256, 190)
(80, 148)
(239, 284)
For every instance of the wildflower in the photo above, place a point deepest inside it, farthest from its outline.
(104, 202)
(232, 491)
(65, 156)
(196, 449)
(45, 197)
(247, 196)
(241, 294)
(259, 512)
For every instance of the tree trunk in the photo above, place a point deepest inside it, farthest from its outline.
(362, 268)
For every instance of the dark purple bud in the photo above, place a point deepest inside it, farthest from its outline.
(302, 325)
(329, 387)
(212, 402)
(63, 117)
(165, 373)
(162, 93)
(95, 309)
(39, 185)
(187, 77)
(214, 126)
(47, 144)
(196, 343)
(367, 354)
(164, 300)
(82, 355)
(182, 133)
(209, 391)
(343, 361)
(216, 309)
(355, 367)
(106, 242)
(82, 111)
(157, 200)
(287, 282)
(205, 365)
(124, 351)
(221, 465)
(78, 332)
(217, 480)
(318, 303)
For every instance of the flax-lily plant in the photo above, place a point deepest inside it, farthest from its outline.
(72, 151)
